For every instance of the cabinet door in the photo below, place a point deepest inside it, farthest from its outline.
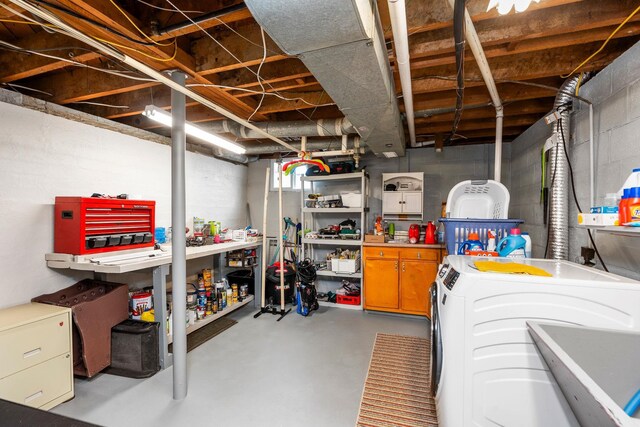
(381, 283)
(412, 202)
(392, 202)
(415, 280)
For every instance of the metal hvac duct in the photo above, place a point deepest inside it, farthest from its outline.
(341, 42)
(559, 169)
(296, 128)
(312, 145)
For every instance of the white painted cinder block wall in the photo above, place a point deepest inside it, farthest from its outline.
(615, 93)
(43, 156)
(441, 171)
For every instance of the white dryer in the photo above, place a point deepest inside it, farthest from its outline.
(485, 368)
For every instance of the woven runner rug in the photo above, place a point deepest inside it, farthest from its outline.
(397, 390)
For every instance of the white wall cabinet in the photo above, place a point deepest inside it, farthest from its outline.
(36, 367)
(405, 201)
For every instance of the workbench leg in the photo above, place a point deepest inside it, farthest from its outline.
(220, 264)
(160, 274)
(257, 277)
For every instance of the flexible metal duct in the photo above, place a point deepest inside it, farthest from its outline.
(559, 170)
(297, 128)
(341, 42)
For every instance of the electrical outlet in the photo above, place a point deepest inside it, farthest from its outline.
(587, 254)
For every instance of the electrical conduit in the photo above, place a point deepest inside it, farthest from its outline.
(483, 64)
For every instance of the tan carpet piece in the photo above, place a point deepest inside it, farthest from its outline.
(396, 392)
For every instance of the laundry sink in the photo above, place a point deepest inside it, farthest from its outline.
(598, 370)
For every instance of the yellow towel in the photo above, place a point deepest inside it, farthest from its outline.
(510, 268)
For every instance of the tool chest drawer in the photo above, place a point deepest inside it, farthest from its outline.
(86, 225)
(36, 355)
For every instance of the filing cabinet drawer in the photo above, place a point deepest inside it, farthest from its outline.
(33, 343)
(41, 386)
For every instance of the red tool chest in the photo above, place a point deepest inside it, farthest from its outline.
(88, 225)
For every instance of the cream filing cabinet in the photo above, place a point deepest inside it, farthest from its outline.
(35, 355)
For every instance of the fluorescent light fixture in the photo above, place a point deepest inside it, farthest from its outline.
(389, 154)
(158, 115)
(505, 6)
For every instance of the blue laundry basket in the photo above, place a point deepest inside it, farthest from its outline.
(456, 230)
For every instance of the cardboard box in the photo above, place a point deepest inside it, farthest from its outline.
(372, 238)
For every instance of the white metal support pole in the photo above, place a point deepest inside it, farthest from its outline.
(263, 265)
(281, 238)
(497, 166)
(178, 246)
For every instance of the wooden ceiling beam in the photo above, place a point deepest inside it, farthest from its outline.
(212, 58)
(527, 66)
(288, 69)
(108, 15)
(535, 44)
(509, 92)
(572, 18)
(229, 18)
(467, 124)
(429, 15)
(21, 65)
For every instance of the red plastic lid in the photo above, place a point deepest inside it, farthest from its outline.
(514, 232)
(474, 236)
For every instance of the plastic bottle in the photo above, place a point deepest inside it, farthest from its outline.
(622, 207)
(527, 248)
(632, 181)
(512, 246)
(472, 243)
(633, 205)
(430, 234)
(491, 240)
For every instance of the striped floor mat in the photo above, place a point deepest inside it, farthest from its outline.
(396, 392)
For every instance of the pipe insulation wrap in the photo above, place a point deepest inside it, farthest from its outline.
(288, 129)
(559, 170)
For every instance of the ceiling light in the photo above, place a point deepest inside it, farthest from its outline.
(389, 154)
(158, 115)
(505, 6)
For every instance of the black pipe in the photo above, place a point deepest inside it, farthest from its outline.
(202, 18)
(458, 37)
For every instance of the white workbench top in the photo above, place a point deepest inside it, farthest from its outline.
(137, 259)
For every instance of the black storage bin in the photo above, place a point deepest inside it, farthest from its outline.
(272, 286)
(243, 277)
(134, 349)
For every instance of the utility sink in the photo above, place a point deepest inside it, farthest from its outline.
(598, 370)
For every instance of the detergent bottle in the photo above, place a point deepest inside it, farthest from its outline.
(633, 206)
(623, 207)
(472, 243)
(512, 246)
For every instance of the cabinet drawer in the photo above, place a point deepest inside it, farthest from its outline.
(40, 384)
(420, 254)
(33, 343)
(381, 252)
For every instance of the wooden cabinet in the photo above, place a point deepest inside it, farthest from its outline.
(35, 361)
(402, 195)
(398, 279)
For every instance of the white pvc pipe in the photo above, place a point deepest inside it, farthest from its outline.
(478, 53)
(592, 169)
(281, 238)
(264, 238)
(47, 16)
(398, 16)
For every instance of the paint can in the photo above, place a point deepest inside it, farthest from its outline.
(192, 298)
(244, 291)
(141, 302)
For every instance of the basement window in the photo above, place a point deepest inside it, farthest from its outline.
(290, 182)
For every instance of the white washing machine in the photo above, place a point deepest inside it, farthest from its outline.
(485, 368)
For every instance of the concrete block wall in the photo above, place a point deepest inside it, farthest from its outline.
(615, 94)
(442, 171)
(43, 156)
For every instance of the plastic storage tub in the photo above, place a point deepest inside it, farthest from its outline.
(96, 307)
(243, 277)
(456, 230)
(134, 349)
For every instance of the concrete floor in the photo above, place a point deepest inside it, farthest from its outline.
(296, 372)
